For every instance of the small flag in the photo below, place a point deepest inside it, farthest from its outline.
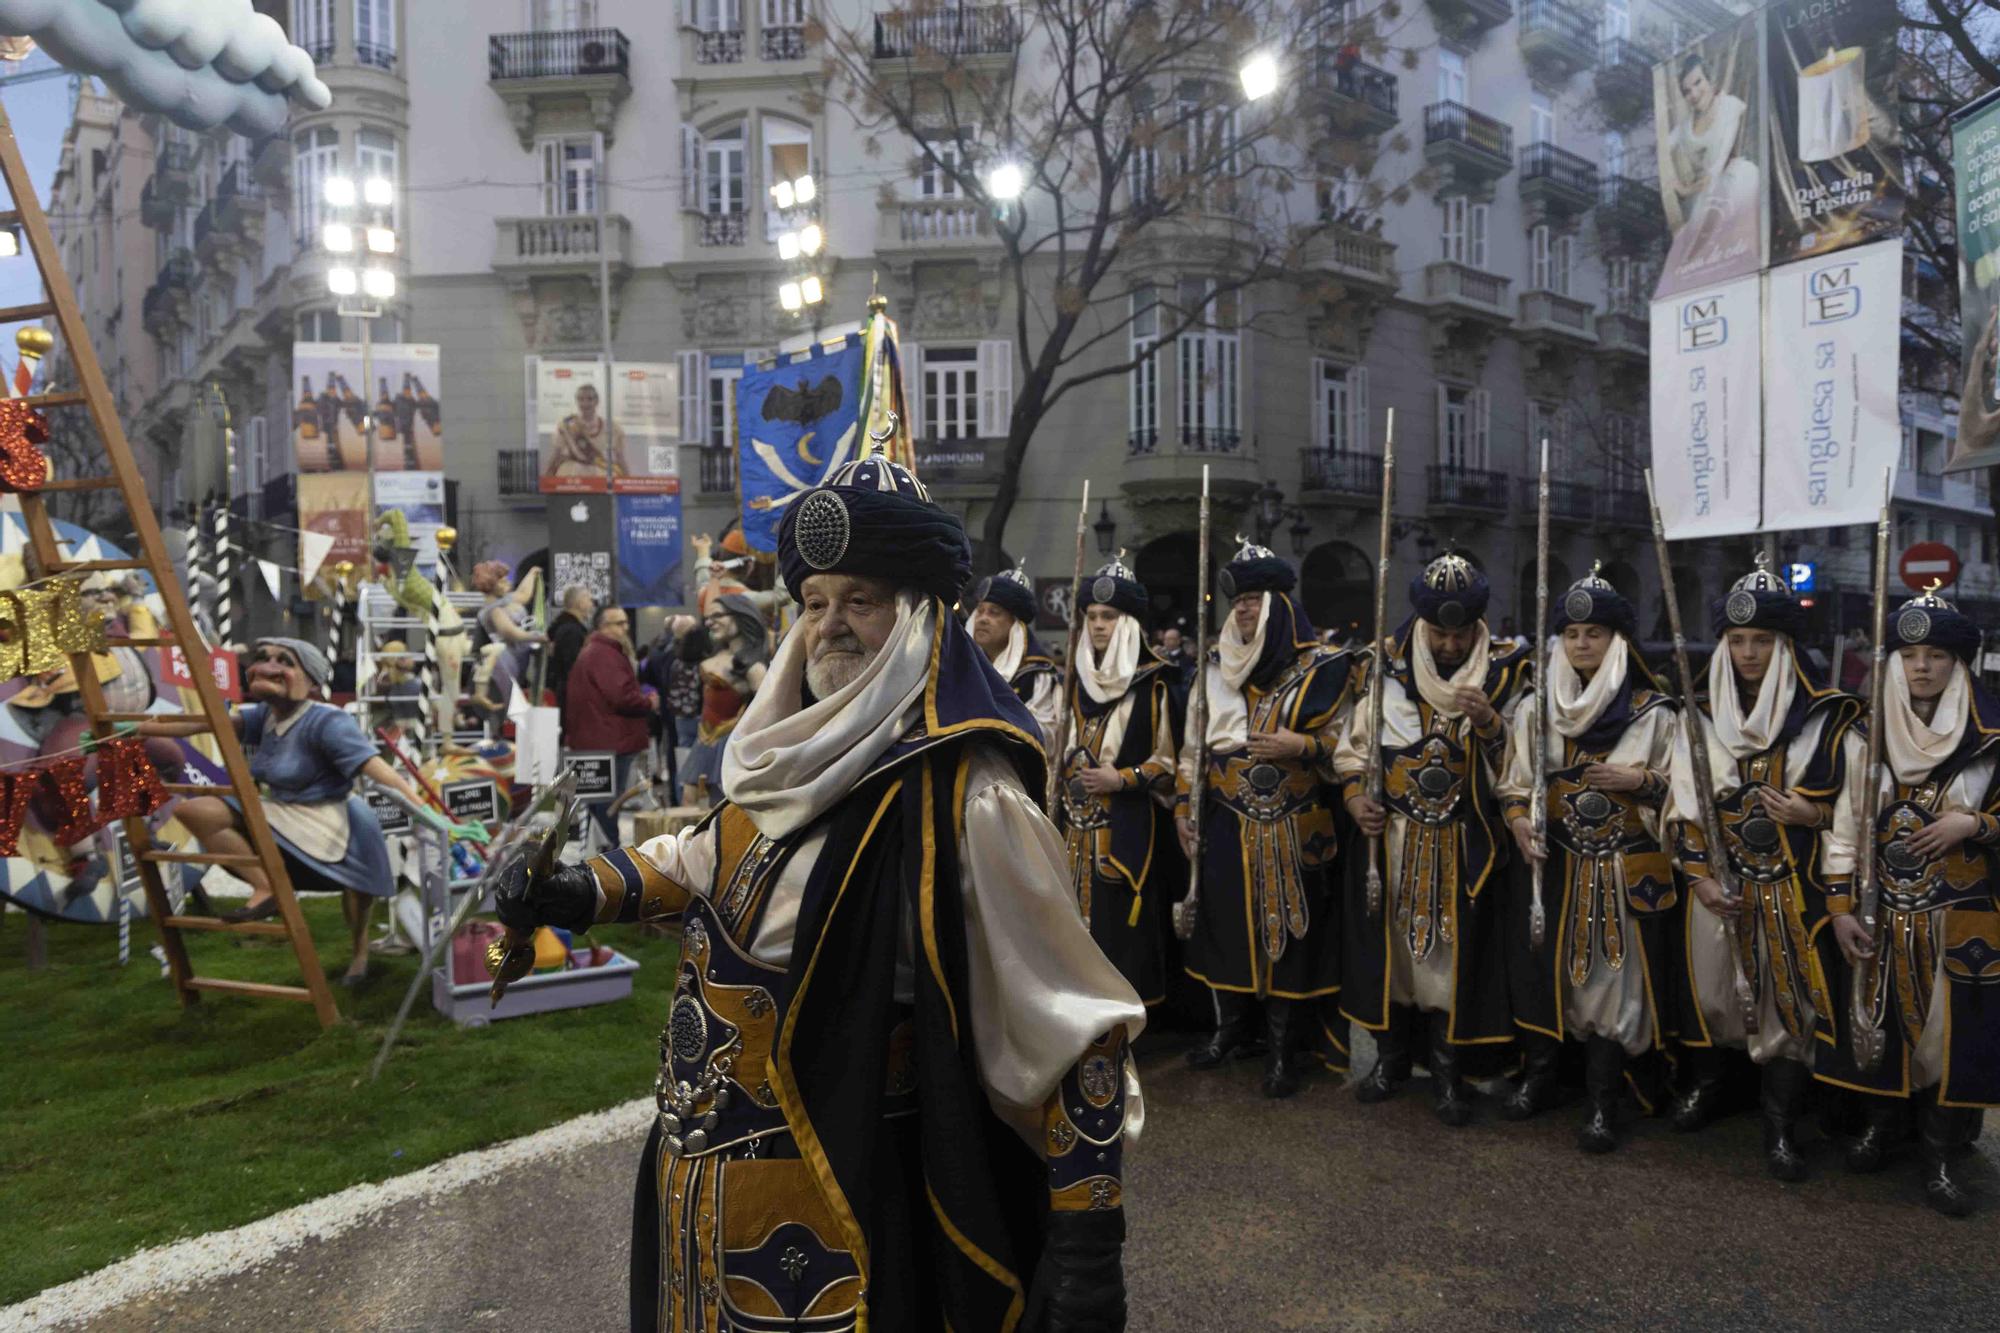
(269, 569)
(24, 378)
(313, 550)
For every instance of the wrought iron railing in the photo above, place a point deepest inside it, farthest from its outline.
(520, 472)
(375, 54)
(722, 47)
(724, 228)
(1557, 20)
(1545, 161)
(542, 55)
(1342, 472)
(718, 470)
(1467, 487)
(787, 43)
(970, 31)
(1359, 80)
(1454, 122)
(1624, 53)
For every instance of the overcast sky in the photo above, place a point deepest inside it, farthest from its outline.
(39, 110)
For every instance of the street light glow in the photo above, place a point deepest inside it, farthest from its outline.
(1007, 181)
(10, 244)
(381, 240)
(341, 280)
(788, 245)
(338, 191)
(810, 290)
(781, 194)
(377, 192)
(379, 283)
(804, 189)
(338, 237)
(811, 238)
(1260, 76)
(789, 296)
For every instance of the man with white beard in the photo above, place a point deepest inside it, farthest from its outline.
(894, 1082)
(1002, 610)
(1433, 945)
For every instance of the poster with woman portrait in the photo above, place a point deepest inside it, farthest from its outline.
(1706, 114)
(1836, 150)
(578, 447)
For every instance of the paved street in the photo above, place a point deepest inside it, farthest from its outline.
(1248, 1215)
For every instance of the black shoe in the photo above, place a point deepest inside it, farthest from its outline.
(1940, 1130)
(1449, 1096)
(1392, 1060)
(1538, 1089)
(263, 911)
(1702, 1102)
(1784, 1099)
(1604, 1072)
(1281, 1072)
(1234, 1013)
(1867, 1150)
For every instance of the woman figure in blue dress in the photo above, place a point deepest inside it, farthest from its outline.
(305, 756)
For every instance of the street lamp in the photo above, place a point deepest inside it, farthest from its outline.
(1259, 75)
(366, 214)
(1006, 181)
(1106, 528)
(1301, 530)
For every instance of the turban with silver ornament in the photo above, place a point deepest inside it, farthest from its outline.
(873, 519)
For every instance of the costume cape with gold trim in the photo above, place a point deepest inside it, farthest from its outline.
(1480, 1013)
(939, 1213)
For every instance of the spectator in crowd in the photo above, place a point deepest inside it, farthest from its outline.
(504, 621)
(607, 708)
(1179, 654)
(567, 633)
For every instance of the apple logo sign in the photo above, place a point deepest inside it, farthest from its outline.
(579, 512)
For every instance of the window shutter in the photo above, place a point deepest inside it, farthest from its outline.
(1561, 262)
(1482, 422)
(690, 13)
(1477, 257)
(694, 395)
(690, 168)
(735, 12)
(1358, 440)
(1444, 425)
(996, 387)
(913, 385)
(1322, 436)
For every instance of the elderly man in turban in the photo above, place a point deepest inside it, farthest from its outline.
(894, 1081)
(1002, 609)
(305, 756)
(1434, 946)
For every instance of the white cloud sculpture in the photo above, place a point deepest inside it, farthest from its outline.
(200, 63)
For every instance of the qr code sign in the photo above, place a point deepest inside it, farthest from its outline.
(592, 569)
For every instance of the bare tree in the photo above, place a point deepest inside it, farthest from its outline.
(1140, 159)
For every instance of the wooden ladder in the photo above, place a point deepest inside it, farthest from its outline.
(94, 395)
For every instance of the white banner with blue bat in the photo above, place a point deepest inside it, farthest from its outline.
(798, 421)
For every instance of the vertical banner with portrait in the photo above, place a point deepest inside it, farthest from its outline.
(649, 550)
(1975, 155)
(1836, 149)
(338, 415)
(646, 413)
(576, 446)
(580, 544)
(1831, 414)
(1707, 117)
(1705, 364)
(420, 498)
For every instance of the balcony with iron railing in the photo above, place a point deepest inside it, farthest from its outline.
(1624, 80)
(1465, 20)
(1341, 474)
(1569, 501)
(1556, 184)
(782, 43)
(952, 33)
(375, 55)
(1364, 97)
(173, 175)
(1624, 506)
(1629, 213)
(542, 75)
(560, 246)
(1471, 148)
(320, 49)
(718, 46)
(156, 210)
(521, 475)
(1468, 489)
(720, 230)
(718, 470)
(1556, 40)
(170, 299)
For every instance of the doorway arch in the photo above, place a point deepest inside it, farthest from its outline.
(1337, 585)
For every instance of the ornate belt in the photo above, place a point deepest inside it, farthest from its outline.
(1425, 781)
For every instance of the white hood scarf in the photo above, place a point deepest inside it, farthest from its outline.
(1574, 705)
(1739, 736)
(1913, 746)
(1228, 713)
(1111, 679)
(1010, 657)
(1437, 690)
(787, 765)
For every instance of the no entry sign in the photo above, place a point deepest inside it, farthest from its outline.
(1926, 562)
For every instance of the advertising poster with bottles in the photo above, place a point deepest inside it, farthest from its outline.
(339, 418)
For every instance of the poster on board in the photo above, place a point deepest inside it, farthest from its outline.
(577, 448)
(649, 550)
(337, 413)
(1706, 107)
(1705, 410)
(646, 415)
(1975, 155)
(420, 497)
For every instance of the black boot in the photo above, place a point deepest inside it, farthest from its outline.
(1603, 1075)
(1940, 1130)
(1281, 1070)
(1392, 1058)
(1881, 1126)
(1703, 1099)
(1449, 1095)
(1537, 1090)
(1234, 1013)
(1784, 1100)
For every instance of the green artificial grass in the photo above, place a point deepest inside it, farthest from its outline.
(130, 1122)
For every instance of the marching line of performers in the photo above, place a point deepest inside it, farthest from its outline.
(1650, 969)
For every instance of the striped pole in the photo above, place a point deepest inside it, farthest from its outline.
(197, 574)
(124, 927)
(428, 726)
(225, 573)
(341, 573)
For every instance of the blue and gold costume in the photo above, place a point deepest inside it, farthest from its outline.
(1024, 664)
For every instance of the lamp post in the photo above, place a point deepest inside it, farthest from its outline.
(358, 223)
(1106, 529)
(800, 243)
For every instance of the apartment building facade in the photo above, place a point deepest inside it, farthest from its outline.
(1502, 301)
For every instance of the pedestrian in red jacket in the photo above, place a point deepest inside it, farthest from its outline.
(604, 706)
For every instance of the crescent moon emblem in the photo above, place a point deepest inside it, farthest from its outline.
(804, 453)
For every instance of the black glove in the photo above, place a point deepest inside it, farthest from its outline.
(565, 898)
(1081, 1283)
